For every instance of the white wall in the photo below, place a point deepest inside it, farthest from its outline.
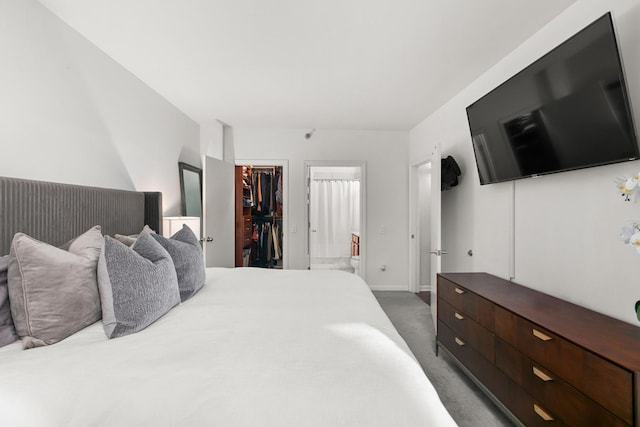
(212, 139)
(69, 113)
(385, 154)
(566, 224)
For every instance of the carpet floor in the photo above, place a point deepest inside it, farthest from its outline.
(466, 403)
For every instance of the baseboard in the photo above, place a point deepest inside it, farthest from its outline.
(388, 288)
(423, 288)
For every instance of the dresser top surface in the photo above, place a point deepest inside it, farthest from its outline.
(611, 338)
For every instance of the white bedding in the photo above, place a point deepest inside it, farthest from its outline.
(253, 348)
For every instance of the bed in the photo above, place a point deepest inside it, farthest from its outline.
(253, 347)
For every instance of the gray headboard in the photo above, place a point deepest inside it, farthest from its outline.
(55, 213)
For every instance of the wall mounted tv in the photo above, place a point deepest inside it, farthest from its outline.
(568, 110)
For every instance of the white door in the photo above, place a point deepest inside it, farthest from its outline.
(219, 213)
(436, 231)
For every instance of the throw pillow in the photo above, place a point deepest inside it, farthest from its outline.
(53, 292)
(130, 240)
(138, 284)
(7, 330)
(186, 253)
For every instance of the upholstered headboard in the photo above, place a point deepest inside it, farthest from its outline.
(55, 213)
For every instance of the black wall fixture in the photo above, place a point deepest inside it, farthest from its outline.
(449, 173)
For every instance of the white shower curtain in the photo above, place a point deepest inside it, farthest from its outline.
(334, 215)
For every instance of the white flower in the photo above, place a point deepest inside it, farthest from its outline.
(634, 240)
(626, 233)
(630, 184)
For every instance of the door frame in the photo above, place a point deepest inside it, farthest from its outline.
(308, 164)
(285, 198)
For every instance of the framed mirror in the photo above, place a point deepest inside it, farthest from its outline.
(190, 190)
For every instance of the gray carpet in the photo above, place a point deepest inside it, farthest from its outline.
(466, 403)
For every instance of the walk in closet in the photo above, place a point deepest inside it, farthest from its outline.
(259, 200)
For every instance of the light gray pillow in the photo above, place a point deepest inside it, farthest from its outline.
(138, 284)
(130, 240)
(53, 292)
(186, 253)
(7, 330)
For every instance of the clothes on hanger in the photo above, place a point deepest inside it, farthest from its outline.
(266, 248)
(266, 198)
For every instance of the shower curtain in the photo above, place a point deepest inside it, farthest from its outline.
(334, 215)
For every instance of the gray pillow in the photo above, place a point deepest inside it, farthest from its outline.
(186, 253)
(7, 331)
(53, 292)
(138, 284)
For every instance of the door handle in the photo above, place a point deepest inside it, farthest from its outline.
(208, 239)
(438, 252)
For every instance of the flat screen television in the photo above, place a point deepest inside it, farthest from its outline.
(568, 110)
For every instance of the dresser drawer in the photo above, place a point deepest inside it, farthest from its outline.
(475, 307)
(498, 383)
(468, 330)
(480, 367)
(567, 403)
(582, 369)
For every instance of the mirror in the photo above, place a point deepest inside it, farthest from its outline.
(190, 190)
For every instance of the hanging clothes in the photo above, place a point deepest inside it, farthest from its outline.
(266, 209)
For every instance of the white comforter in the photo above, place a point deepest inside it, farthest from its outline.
(252, 348)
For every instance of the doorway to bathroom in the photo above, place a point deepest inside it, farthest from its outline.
(335, 201)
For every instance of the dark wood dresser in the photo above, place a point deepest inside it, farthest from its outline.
(543, 360)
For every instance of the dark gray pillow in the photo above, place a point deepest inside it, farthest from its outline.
(53, 291)
(138, 284)
(7, 331)
(186, 253)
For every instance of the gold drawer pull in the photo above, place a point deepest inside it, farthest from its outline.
(538, 373)
(540, 335)
(459, 291)
(459, 341)
(459, 316)
(542, 413)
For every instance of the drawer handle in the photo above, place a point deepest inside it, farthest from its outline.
(459, 341)
(542, 413)
(459, 291)
(459, 316)
(540, 335)
(544, 377)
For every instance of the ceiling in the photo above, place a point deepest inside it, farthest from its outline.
(333, 64)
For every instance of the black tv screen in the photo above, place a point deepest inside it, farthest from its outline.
(568, 110)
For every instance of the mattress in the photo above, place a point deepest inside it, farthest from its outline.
(254, 347)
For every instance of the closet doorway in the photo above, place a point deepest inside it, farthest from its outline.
(335, 212)
(261, 211)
